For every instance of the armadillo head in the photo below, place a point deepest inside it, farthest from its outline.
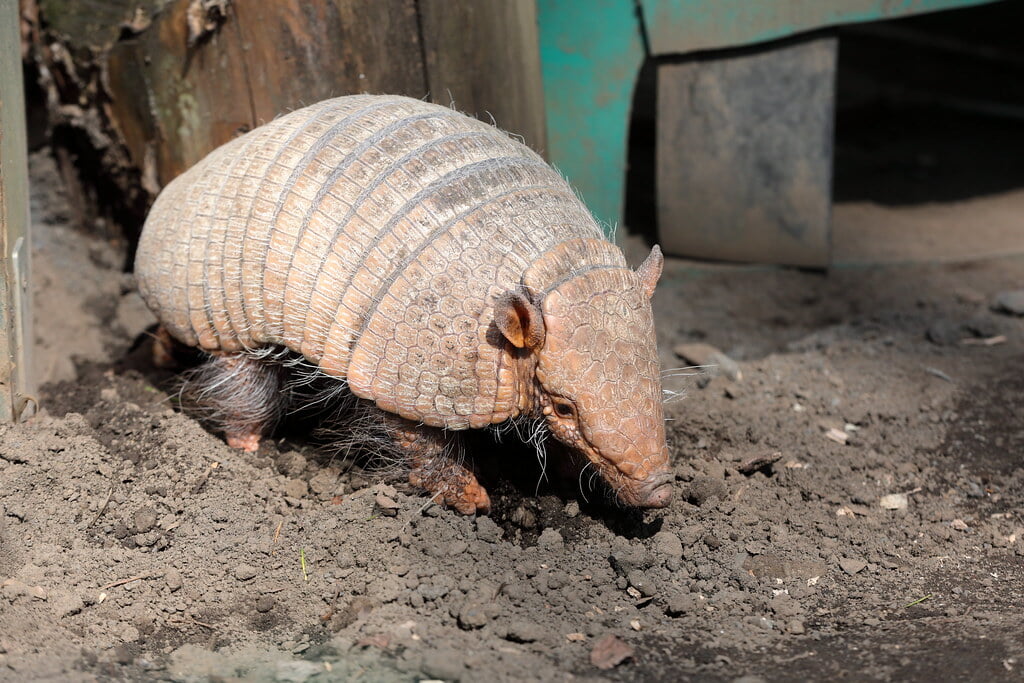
(598, 373)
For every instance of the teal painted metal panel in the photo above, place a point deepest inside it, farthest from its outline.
(592, 50)
(591, 53)
(680, 26)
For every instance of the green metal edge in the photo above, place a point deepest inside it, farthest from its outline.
(680, 26)
(591, 53)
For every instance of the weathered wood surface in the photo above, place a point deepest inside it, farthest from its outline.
(149, 87)
(484, 58)
(16, 386)
(175, 102)
(744, 154)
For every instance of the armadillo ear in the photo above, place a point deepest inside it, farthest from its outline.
(650, 270)
(519, 320)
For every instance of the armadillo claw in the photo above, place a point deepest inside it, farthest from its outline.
(462, 492)
(247, 441)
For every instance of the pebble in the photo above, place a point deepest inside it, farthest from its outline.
(173, 580)
(609, 651)
(264, 603)
(704, 489)
(643, 583)
(680, 604)
(471, 616)
(851, 566)
(550, 539)
(667, 544)
(487, 530)
(296, 488)
(386, 504)
(244, 572)
(1010, 301)
(894, 501)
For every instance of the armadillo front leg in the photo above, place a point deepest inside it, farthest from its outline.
(435, 466)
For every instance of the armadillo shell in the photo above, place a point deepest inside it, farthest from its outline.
(372, 234)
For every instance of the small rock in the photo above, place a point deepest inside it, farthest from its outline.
(472, 616)
(296, 488)
(609, 651)
(795, 626)
(550, 539)
(144, 519)
(667, 544)
(487, 530)
(244, 572)
(1010, 301)
(893, 501)
(680, 604)
(173, 580)
(387, 505)
(572, 509)
(705, 489)
(707, 355)
(324, 482)
(640, 581)
(523, 632)
(264, 603)
(959, 525)
(850, 566)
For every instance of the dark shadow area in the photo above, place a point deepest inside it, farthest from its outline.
(931, 108)
(641, 207)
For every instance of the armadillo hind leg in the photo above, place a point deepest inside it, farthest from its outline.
(436, 466)
(240, 394)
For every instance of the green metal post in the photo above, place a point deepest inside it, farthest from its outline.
(591, 54)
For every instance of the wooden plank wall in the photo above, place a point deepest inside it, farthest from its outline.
(484, 59)
(179, 77)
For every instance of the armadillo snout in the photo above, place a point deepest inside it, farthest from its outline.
(656, 492)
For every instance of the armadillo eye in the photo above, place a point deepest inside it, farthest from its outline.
(563, 409)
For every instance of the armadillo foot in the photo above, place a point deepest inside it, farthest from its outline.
(457, 488)
(247, 441)
(435, 470)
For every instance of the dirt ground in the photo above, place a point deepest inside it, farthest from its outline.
(135, 545)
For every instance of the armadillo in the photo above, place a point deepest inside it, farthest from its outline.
(428, 263)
